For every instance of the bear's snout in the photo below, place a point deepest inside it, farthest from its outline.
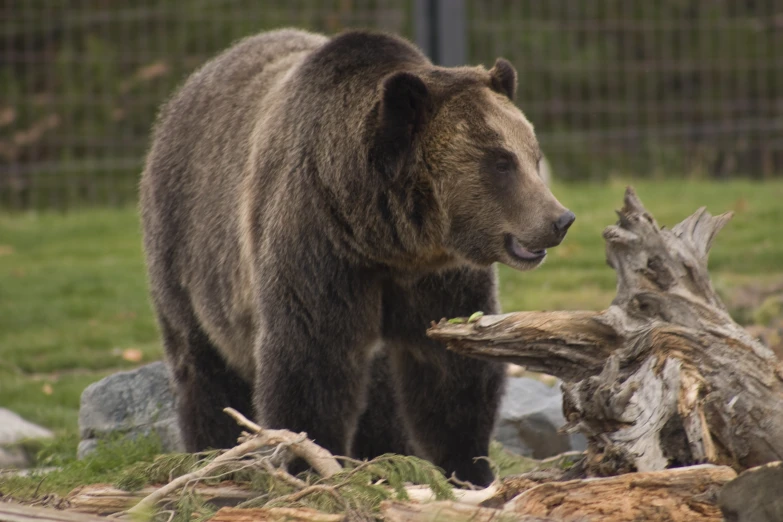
(563, 223)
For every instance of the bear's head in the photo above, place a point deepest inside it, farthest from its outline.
(457, 132)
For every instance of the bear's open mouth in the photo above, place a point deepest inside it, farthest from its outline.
(515, 248)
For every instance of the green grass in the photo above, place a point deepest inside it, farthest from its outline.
(576, 275)
(107, 465)
(73, 291)
(72, 298)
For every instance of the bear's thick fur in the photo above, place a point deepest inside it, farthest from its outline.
(309, 205)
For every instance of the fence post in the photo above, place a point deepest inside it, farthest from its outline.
(441, 31)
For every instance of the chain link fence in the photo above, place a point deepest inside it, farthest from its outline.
(678, 88)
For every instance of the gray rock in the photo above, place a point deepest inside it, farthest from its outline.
(14, 458)
(140, 400)
(14, 429)
(530, 415)
(132, 402)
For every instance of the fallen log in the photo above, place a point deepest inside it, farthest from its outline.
(674, 495)
(274, 514)
(104, 499)
(397, 511)
(12, 512)
(664, 377)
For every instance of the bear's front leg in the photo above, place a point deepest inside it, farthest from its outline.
(449, 408)
(313, 355)
(448, 401)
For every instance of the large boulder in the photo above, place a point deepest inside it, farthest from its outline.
(530, 415)
(132, 402)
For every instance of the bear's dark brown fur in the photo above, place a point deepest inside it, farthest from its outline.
(309, 205)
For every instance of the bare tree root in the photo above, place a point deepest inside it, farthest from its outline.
(664, 377)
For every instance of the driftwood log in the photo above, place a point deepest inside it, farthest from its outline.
(676, 495)
(12, 512)
(662, 378)
(397, 511)
(104, 499)
(274, 514)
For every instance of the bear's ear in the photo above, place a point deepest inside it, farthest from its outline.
(504, 78)
(406, 107)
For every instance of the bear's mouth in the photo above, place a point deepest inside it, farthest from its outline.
(519, 252)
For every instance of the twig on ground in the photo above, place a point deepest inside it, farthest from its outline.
(243, 421)
(319, 458)
(463, 483)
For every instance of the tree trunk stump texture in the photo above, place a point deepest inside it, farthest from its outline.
(662, 378)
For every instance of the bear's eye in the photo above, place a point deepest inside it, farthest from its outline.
(503, 166)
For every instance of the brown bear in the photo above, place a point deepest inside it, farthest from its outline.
(309, 205)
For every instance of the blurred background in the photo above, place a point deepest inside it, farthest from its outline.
(681, 98)
(685, 88)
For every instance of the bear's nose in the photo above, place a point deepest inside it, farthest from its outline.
(564, 221)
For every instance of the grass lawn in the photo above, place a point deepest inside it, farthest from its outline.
(73, 295)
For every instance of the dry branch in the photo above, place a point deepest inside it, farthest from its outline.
(319, 458)
(664, 376)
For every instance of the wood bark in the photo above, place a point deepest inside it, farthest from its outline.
(274, 514)
(396, 511)
(675, 495)
(664, 377)
(103, 499)
(12, 512)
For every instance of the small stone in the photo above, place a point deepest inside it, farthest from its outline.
(530, 415)
(133, 402)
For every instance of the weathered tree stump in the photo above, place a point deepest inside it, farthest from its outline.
(664, 377)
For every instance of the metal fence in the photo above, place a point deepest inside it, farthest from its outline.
(614, 87)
